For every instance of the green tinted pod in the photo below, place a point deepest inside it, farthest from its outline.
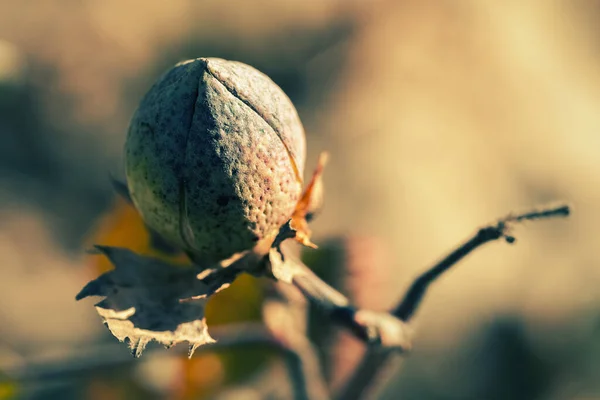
(214, 157)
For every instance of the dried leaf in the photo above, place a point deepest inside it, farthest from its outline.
(148, 299)
(310, 204)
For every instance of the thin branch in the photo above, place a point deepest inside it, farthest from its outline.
(407, 307)
(284, 314)
(376, 358)
(111, 356)
(372, 327)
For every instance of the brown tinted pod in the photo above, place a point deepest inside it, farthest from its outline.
(214, 157)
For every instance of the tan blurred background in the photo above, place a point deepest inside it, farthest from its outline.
(439, 116)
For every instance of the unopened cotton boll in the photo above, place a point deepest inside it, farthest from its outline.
(214, 157)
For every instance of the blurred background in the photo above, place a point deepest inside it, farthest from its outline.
(439, 116)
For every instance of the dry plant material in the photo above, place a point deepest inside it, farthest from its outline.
(214, 160)
(147, 299)
(360, 383)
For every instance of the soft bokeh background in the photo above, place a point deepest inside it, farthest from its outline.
(439, 116)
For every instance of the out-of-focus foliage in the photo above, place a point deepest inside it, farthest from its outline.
(8, 389)
(123, 226)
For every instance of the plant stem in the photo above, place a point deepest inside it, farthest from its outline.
(377, 358)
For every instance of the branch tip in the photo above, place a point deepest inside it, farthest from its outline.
(554, 210)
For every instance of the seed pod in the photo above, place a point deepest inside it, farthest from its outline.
(214, 157)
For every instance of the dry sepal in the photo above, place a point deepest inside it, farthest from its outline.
(148, 299)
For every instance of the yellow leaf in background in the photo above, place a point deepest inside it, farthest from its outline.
(122, 226)
(8, 390)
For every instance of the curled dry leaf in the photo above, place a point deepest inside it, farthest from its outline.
(309, 204)
(147, 299)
